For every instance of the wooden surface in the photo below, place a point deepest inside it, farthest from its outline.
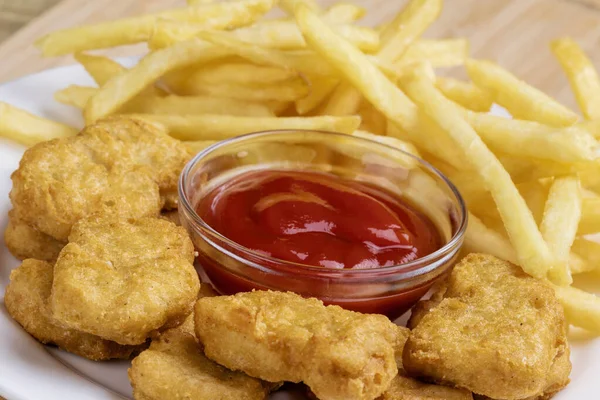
(513, 32)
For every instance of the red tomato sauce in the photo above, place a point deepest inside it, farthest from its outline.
(319, 219)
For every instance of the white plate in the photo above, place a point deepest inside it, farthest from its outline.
(30, 371)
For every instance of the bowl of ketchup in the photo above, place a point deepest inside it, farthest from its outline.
(348, 220)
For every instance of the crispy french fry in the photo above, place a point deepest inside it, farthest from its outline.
(465, 94)
(290, 5)
(344, 13)
(481, 239)
(195, 147)
(138, 29)
(589, 251)
(389, 141)
(300, 61)
(285, 35)
(29, 129)
(592, 127)
(590, 217)
(559, 225)
(582, 75)
(375, 86)
(439, 53)
(122, 88)
(408, 26)
(100, 68)
(519, 98)
(344, 100)
(194, 105)
(521, 138)
(217, 127)
(75, 95)
(532, 251)
(289, 91)
(582, 309)
(239, 73)
(320, 89)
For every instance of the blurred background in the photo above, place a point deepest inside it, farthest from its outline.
(515, 33)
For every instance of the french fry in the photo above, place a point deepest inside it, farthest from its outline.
(196, 147)
(559, 225)
(389, 141)
(532, 251)
(239, 73)
(522, 100)
(218, 127)
(138, 29)
(100, 68)
(123, 87)
(29, 129)
(582, 75)
(285, 35)
(592, 127)
(465, 94)
(439, 53)
(520, 138)
(320, 88)
(578, 265)
(589, 251)
(407, 27)
(375, 86)
(481, 239)
(582, 309)
(590, 217)
(289, 91)
(344, 13)
(75, 95)
(300, 61)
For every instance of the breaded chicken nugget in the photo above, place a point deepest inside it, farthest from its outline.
(497, 332)
(24, 241)
(172, 216)
(26, 301)
(174, 367)
(117, 166)
(279, 336)
(124, 280)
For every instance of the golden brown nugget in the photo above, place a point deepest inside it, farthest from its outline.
(174, 367)
(279, 336)
(404, 388)
(119, 166)
(497, 332)
(172, 216)
(26, 301)
(24, 241)
(124, 280)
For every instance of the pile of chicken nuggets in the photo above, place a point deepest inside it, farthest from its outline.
(106, 276)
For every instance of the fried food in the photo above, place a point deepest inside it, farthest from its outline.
(24, 241)
(279, 336)
(174, 367)
(404, 388)
(117, 166)
(26, 301)
(124, 280)
(494, 331)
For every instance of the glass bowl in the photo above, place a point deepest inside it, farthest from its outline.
(391, 291)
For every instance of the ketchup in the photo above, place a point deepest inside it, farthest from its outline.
(318, 219)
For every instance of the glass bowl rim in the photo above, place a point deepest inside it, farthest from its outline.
(420, 264)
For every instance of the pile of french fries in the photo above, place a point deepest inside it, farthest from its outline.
(216, 70)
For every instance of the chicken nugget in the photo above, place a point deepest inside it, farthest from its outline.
(24, 241)
(279, 336)
(496, 332)
(172, 216)
(116, 166)
(174, 367)
(404, 388)
(124, 280)
(26, 301)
